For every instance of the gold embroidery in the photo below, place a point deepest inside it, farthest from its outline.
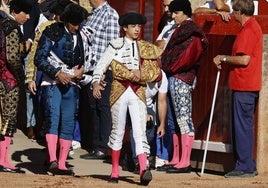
(149, 71)
(141, 93)
(117, 89)
(31, 69)
(120, 71)
(148, 50)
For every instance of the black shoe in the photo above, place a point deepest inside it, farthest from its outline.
(164, 167)
(113, 180)
(241, 174)
(16, 170)
(96, 155)
(53, 167)
(67, 172)
(19, 171)
(146, 177)
(187, 169)
(88, 155)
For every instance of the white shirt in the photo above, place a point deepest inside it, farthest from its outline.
(154, 87)
(167, 28)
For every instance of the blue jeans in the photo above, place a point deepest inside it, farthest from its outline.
(165, 145)
(30, 109)
(30, 101)
(77, 135)
(60, 109)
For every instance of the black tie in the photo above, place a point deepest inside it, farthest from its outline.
(133, 52)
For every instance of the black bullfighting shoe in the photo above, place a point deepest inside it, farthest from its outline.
(146, 177)
(187, 169)
(113, 180)
(16, 170)
(97, 155)
(53, 167)
(67, 172)
(88, 155)
(164, 167)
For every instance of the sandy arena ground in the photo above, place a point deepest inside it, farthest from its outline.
(30, 156)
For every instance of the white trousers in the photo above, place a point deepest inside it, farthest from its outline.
(137, 110)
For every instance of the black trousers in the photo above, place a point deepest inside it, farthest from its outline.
(100, 115)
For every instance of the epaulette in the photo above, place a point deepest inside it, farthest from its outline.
(117, 43)
(9, 25)
(54, 31)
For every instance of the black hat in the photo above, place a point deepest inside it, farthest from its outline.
(74, 14)
(58, 6)
(20, 6)
(181, 5)
(132, 18)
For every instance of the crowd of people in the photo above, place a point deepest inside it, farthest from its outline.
(128, 81)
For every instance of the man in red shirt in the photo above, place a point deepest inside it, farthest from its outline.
(245, 83)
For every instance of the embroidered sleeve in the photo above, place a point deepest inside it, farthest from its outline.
(103, 64)
(31, 68)
(41, 57)
(13, 48)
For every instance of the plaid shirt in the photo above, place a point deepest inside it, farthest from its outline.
(100, 28)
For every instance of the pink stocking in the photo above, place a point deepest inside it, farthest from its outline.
(115, 163)
(7, 163)
(3, 150)
(64, 150)
(52, 141)
(176, 157)
(142, 162)
(186, 148)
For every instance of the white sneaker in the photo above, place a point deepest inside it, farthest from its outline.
(76, 144)
(160, 162)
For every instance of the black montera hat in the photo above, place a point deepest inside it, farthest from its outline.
(181, 5)
(20, 6)
(74, 14)
(132, 18)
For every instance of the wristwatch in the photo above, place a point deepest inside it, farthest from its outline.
(224, 59)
